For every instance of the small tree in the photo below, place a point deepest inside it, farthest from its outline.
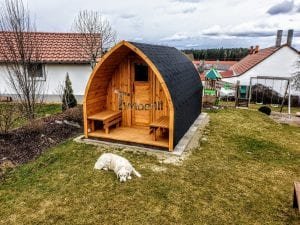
(96, 34)
(20, 50)
(296, 77)
(9, 114)
(68, 98)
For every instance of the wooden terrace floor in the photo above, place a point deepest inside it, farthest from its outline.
(139, 135)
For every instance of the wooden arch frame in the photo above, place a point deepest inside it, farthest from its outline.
(156, 72)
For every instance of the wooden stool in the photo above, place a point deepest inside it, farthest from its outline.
(162, 123)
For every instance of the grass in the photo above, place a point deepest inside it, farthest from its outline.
(48, 109)
(42, 111)
(242, 174)
(257, 106)
(276, 109)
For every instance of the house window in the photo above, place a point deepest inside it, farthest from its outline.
(141, 72)
(37, 71)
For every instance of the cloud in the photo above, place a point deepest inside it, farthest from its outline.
(138, 39)
(127, 16)
(178, 22)
(192, 45)
(189, 1)
(249, 29)
(176, 37)
(189, 10)
(296, 33)
(179, 9)
(281, 8)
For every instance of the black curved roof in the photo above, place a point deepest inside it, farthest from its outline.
(183, 82)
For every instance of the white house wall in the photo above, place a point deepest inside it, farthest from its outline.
(55, 76)
(282, 63)
(4, 88)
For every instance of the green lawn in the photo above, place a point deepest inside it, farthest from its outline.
(42, 111)
(243, 174)
(257, 106)
(48, 109)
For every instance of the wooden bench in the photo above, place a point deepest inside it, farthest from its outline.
(108, 117)
(296, 202)
(162, 123)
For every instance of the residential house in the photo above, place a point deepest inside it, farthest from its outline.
(221, 66)
(276, 61)
(60, 54)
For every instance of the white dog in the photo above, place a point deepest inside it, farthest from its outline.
(118, 164)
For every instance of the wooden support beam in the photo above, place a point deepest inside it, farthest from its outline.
(296, 198)
(272, 78)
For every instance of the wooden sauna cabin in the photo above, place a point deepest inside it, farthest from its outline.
(144, 94)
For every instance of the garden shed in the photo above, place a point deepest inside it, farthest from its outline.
(144, 94)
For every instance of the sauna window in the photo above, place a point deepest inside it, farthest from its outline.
(141, 72)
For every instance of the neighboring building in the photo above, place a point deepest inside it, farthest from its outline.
(272, 61)
(217, 64)
(60, 54)
(277, 61)
(221, 66)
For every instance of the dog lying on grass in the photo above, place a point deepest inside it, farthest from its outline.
(121, 166)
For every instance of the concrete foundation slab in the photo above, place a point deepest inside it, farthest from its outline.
(188, 141)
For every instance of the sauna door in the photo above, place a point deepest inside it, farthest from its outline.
(141, 95)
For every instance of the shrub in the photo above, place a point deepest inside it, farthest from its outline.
(9, 114)
(74, 114)
(265, 110)
(35, 126)
(68, 98)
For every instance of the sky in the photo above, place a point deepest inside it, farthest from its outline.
(181, 23)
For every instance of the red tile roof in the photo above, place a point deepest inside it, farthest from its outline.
(248, 62)
(229, 63)
(252, 60)
(55, 47)
(219, 65)
(226, 74)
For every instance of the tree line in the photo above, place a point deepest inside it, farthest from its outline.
(223, 54)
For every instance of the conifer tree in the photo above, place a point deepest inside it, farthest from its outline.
(68, 98)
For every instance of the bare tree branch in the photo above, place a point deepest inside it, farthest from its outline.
(96, 34)
(20, 51)
(296, 77)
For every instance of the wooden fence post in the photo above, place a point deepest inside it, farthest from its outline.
(237, 93)
(296, 198)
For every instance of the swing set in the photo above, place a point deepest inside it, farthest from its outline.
(265, 98)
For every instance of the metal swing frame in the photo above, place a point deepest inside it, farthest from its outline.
(287, 90)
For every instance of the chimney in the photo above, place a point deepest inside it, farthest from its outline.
(251, 50)
(278, 38)
(290, 38)
(256, 49)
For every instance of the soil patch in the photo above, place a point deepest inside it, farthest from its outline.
(26, 143)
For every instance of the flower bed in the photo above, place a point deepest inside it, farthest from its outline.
(25, 143)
